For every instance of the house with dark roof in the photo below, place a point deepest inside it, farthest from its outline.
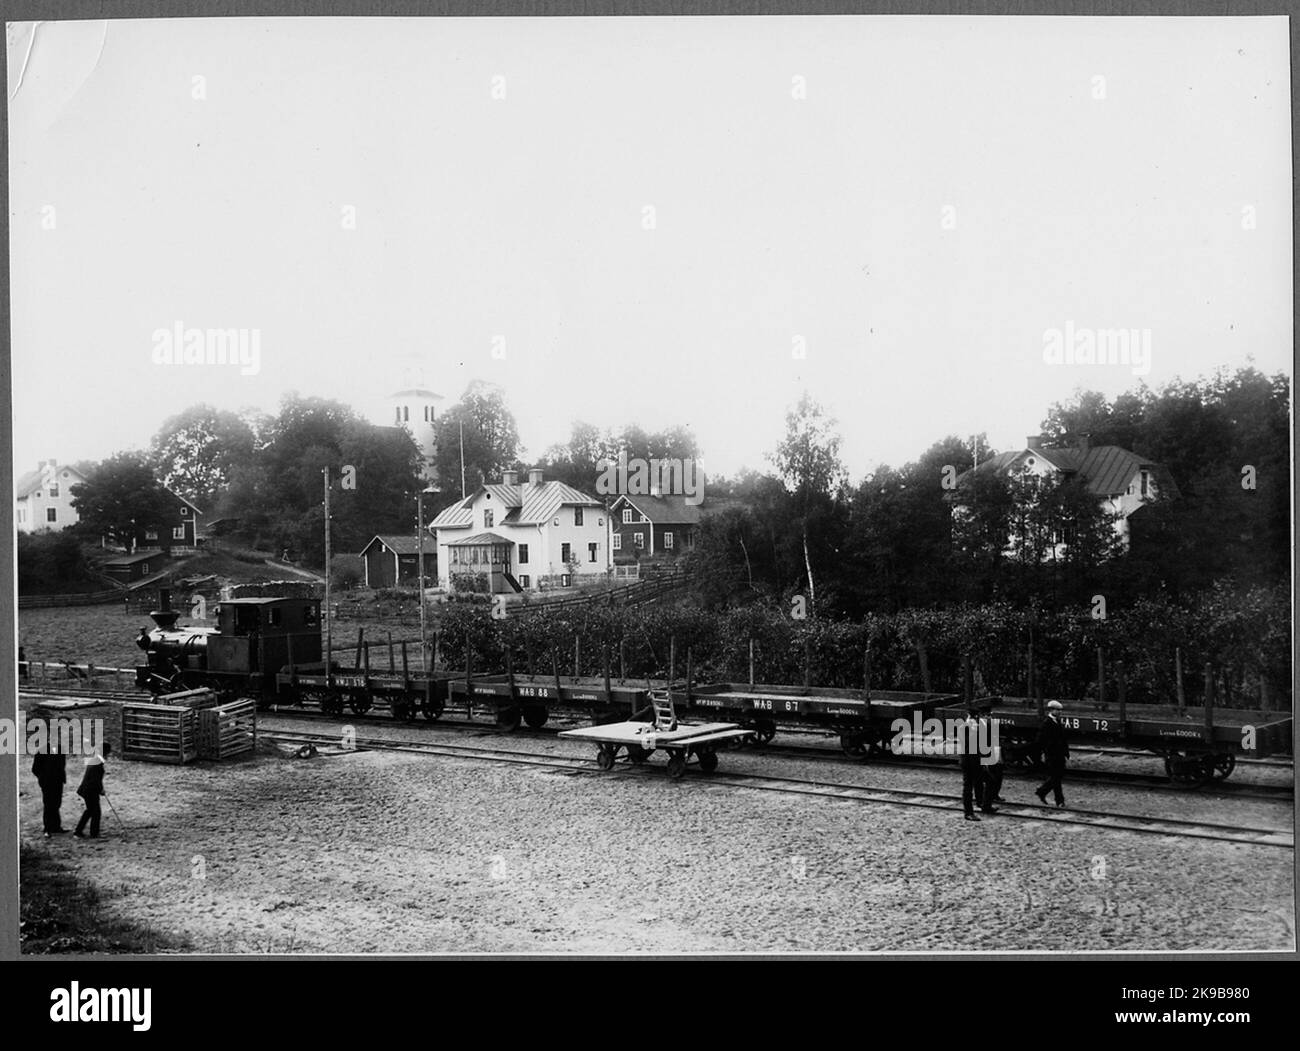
(179, 528)
(514, 537)
(391, 561)
(42, 499)
(1122, 481)
(652, 527)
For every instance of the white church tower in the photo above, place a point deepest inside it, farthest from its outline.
(414, 406)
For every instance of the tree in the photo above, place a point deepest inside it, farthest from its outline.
(195, 451)
(121, 494)
(808, 461)
(485, 428)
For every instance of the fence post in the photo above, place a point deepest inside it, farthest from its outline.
(866, 671)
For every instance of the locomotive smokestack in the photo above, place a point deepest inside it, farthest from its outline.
(164, 616)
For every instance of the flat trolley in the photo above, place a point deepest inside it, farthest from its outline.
(680, 741)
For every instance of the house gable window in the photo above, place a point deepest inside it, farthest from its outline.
(54, 491)
(577, 516)
(487, 519)
(627, 514)
(1146, 484)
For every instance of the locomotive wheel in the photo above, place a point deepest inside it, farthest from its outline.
(708, 761)
(677, 764)
(508, 720)
(359, 703)
(766, 730)
(605, 757)
(1224, 764)
(853, 744)
(536, 717)
(637, 754)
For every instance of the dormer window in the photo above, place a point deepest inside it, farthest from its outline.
(1146, 484)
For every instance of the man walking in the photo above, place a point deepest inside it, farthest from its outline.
(90, 789)
(1056, 750)
(51, 773)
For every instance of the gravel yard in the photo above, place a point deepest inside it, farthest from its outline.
(387, 852)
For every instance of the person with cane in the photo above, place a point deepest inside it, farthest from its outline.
(90, 789)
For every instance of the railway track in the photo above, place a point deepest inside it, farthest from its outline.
(866, 794)
(1153, 782)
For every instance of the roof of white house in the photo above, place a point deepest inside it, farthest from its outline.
(34, 480)
(522, 504)
(1106, 469)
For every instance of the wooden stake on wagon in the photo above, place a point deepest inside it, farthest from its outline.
(1178, 679)
(622, 660)
(1101, 677)
(392, 665)
(1209, 702)
(672, 665)
(577, 656)
(807, 662)
(924, 659)
(1029, 684)
(866, 672)
(1120, 689)
(688, 676)
(751, 661)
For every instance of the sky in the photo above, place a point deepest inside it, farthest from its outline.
(661, 221)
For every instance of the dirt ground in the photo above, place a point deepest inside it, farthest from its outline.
(377, 852)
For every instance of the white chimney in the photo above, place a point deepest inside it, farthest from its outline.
(535, 476)
(509, 477)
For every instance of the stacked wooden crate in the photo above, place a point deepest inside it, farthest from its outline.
(159, 733)
(228, 730)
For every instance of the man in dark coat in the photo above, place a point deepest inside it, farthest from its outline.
(971, 774)
(990, 785)
(90, 789)
(51, 770)
(1056, 750)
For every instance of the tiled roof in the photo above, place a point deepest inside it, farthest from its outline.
(668, 510)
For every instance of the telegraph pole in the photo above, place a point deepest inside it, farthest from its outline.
(419, 543)
(462, 459)
(329, 637)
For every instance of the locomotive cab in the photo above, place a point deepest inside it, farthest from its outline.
(259, 636)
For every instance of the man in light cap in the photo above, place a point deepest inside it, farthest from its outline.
(1056, 750)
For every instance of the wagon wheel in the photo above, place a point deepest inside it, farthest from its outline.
(1224, 764)
(359, 703)
(508, 719)
(853, 744)
(605, 757)
(432, 710)
(1189, 770)
(766, 730)
(536, 716)
(708, 761)
(638, 754)
(676, 764)
(403, 709)
(331, 703)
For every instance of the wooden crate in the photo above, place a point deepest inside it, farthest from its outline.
(159, 733)
(228, 730)
(195, 699)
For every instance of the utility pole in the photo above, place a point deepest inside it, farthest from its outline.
(462, 459)
(419, 544)
(329, 636)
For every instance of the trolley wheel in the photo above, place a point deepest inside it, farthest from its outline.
(508, 720)
(766, 730)
(359, 703)
(676, 764)
(432, 710)
(852, 744)
(638, 754)
(605, 757)
(708, 761)
(536, 716)
(1224, 764)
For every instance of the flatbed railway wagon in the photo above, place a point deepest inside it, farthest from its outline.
(864, 719)
(1197, 744)
(532, 697)
(405, 694)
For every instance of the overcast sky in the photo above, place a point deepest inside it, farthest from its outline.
(648, 218)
